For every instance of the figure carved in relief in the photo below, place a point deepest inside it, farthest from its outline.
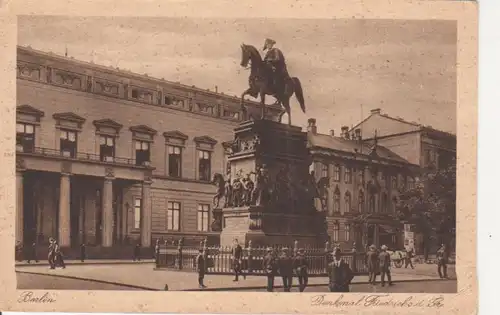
(248, 187)
(237, 191)
(260, 195)
(218, 181)
(228, 192)
(322, 188)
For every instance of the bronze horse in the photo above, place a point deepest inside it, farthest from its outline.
(261, 80)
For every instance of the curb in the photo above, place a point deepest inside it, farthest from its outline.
(94, 262)
(89, 280)
(309, 285)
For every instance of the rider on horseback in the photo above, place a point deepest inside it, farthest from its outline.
(276, 63)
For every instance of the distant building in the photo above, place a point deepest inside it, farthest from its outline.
(106, 156)
(363, 180)
(418, 144)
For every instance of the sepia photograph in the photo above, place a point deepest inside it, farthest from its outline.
(236, 154)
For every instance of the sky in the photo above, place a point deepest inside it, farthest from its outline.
(347, 67)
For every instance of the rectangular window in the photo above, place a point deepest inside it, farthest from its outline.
(348, 175)
(137, 213)
(173, 215)
(25, 137)
(203, 213)
(204, 165)
(174, 161)
(335, 236)
(336, 173)
(68, 142)
(142, 152)
(347, 231)
(324, 170)
(106, 148)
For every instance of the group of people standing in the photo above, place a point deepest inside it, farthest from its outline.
(378, 261)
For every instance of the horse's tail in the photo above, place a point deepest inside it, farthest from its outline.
(298, 93)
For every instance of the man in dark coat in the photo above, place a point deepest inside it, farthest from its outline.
(385, 265)
(442, 262)
(339, 273)
(409, 256)
(200, 268)
(372, 263)
(237, 253)
(58, 255)
(285, 266)
(300, 265)
(269, 267)
(137, 252)
(51, 257)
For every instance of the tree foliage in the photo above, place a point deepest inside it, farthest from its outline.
(431, 203)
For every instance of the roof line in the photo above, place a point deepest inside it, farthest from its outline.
(135, 75)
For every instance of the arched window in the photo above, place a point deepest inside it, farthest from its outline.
(335, 235)
(361, 201)
(384, 206)
(371, 205)
(347, 202)
(336, 200)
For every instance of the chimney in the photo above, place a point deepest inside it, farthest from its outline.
(344, 132)
(375, 111)
(311, 126)
(357, 132)
(332, 132)
(216, 89)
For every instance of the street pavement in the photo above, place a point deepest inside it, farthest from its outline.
(54, 282)
(48, 282)
(143, 276)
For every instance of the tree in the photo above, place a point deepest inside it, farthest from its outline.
(431, 204)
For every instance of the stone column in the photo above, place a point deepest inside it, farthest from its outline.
(107, 212)
(64, 208)
(375, 235)
(19, 207)
(146, 214)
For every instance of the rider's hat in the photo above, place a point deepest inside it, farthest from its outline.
(268, 41)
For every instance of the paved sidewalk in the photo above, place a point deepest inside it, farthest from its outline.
(87, 262)
(143, 276)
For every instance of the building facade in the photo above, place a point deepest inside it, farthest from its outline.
(359, 183)
(107, 157)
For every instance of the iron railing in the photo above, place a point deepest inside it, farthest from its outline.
(81, 156)
(219, 260)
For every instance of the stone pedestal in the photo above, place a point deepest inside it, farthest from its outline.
(273, 158)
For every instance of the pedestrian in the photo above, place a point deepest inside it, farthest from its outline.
(372, 263)
(156, 251)
(300, 265)
(32, 254)
(137, 252)
(339, 273)
(82, 252)
(385, 266)
(200, 267)
(442, 262)
(237, 255)
(51, 257)
(59, 256)
(408, 257)
(269, 267)
(285, 267)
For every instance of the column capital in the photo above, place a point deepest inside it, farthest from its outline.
(147, 182)
(65, 174)
(108, 178)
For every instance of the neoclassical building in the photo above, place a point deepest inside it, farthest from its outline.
(361, 180)
(106, 156)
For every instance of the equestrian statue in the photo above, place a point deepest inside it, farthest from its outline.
(270, 77)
